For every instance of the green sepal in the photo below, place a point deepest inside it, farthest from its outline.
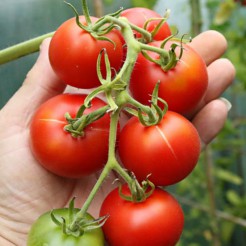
(71, 211)
(76, 126)
(54, 219)
(148, 57)
(162, 21)
(138, 192)
(85, 28)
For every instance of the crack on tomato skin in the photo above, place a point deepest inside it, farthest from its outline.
(184, 63)
(166, 141)
(54, 120)
(98, 129)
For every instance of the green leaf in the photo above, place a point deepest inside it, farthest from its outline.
(227, 229)
(228, 176)
(233, 197)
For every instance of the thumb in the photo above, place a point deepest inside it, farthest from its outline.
(41, 83)
(211, 119)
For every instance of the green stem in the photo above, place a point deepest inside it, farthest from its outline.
(133, 45)
(22, 49)
(160, 51)
(144, 108)
(133, 49)
(147, 36)
(113, 134)
(112, 161)
(86, 12)
(112, 164)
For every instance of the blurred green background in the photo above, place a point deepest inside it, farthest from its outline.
(214, 195)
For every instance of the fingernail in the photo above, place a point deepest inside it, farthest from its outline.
(227, 103)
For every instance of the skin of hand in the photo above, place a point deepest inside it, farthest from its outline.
(27, 190)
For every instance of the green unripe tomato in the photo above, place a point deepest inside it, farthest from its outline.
(44, 232)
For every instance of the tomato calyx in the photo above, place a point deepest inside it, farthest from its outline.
(99, 29)
(149, 115)
(108, 86)
(146, 36)
(138, 192)
(77, 125)
(167, 62)
(157, 28)
(80, 226)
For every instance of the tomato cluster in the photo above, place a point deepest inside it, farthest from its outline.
(72, 134)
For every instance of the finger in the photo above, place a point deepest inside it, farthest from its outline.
(210, 45)
(40, 84)
(211, 119)
(221, 74)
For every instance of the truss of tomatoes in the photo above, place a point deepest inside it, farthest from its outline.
(166, 153)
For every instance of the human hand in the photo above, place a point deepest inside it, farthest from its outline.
(211, 113)
(27, 190)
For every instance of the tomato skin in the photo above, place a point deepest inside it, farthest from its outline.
(138, 16)
(57, 150)
(73, 54)
(45, 232)
(158, 221)
(182, 87)
(168, 151)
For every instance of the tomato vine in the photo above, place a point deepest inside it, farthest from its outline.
(114, 85)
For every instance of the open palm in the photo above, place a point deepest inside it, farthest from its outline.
(27, 190)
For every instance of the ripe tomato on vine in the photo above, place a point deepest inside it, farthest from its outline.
(168, 151)
(57, 150)
(158, 220)
(74, 52)
(182, 87)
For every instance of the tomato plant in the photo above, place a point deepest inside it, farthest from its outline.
(57, 150)
(182, 87)
(45, 232)
(168, 151)
(156, 221)
(73, 135)
(73, 53)
(138, 16)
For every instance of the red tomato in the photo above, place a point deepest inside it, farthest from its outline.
(57, 150)
(138, 16)
(168, 151)
(182, 87)
(157, 221)
(73, 54)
